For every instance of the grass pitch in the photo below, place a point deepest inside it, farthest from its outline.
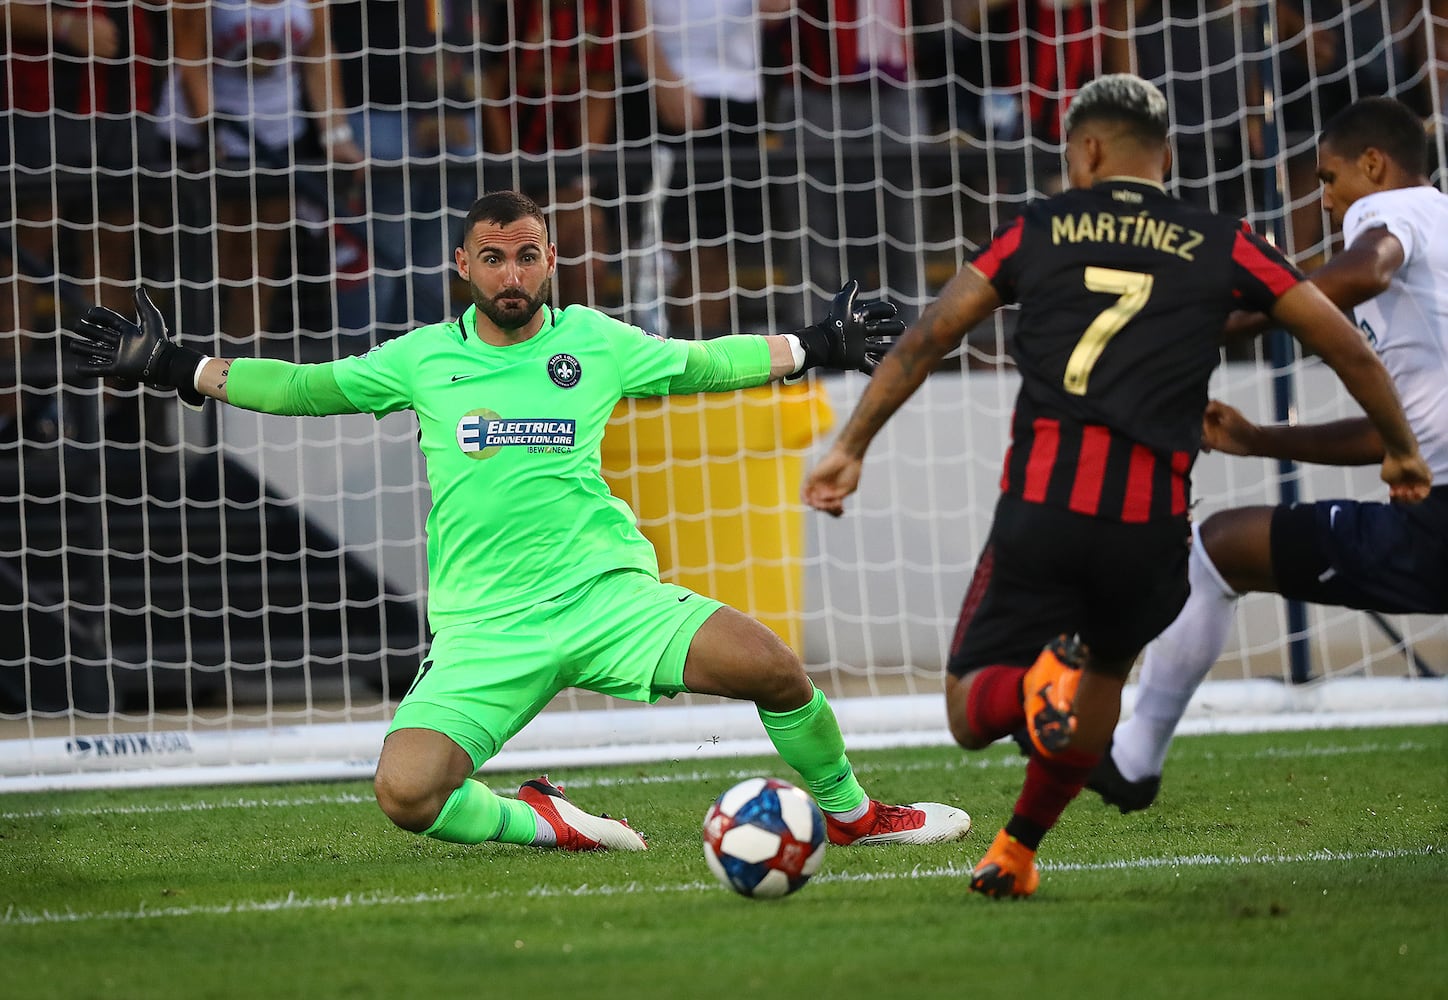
(1278, 865)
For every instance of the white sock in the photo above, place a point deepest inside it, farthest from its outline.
(850, 815)
(1176, 662)
(545, 836)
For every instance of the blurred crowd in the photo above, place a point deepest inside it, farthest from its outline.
(304, 164)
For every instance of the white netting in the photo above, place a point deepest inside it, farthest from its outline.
(250, 582)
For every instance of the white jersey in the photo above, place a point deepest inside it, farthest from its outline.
(713, 44)
(884, 38)
(1408, 324)
(256, 65)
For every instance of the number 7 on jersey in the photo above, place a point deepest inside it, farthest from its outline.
(1134, 288)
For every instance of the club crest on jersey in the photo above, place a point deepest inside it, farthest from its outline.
(564, 370)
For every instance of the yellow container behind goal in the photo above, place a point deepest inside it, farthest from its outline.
(714, 480)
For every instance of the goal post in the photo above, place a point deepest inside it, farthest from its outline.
(225, 596)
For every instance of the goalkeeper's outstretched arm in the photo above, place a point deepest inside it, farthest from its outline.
(108, 345)
(964, 302)
(854, 336)
(271, 386)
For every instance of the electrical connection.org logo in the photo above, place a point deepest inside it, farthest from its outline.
(483, 433)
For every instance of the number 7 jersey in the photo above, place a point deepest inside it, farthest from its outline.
(1123, 293)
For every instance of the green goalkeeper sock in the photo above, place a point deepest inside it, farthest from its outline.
(474, 813)
(809, 740)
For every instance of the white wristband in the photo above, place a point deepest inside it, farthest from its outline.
(64, 26)
(797, 349)
(196, 378)
(337, 134)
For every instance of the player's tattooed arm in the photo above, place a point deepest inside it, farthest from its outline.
(213, 377)
(963, 303)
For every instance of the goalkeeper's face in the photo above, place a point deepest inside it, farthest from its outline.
(509, 269)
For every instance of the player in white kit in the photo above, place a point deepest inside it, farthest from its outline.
(1374, 556)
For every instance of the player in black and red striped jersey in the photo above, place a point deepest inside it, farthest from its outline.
(1124, 292)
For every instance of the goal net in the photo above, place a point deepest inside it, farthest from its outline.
(222, 596)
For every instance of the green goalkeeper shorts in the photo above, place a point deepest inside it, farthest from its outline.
(623, 634)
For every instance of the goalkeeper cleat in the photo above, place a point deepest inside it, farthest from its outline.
(1008, 870)
(1049, 688)
(575, 829)
(920, 823)
(1120, 791)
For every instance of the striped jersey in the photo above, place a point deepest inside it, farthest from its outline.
(1123, 291)
(43, 78)
(1059, 51)
(844, 42)
(546, 58)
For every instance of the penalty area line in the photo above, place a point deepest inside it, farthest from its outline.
(291, 901)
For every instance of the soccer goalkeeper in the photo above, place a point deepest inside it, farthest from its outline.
(538, 578)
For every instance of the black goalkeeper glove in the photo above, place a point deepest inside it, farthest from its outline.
(107, 345)
(855, 336)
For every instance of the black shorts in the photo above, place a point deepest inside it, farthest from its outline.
(1387, 557)
(84, 146)
(716, 189)
(1046, 571)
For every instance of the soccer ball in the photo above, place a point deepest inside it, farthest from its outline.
(764, 838)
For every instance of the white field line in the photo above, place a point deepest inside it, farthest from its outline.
(341, 798)
(19, 917)
(692, 775)
(291, 901)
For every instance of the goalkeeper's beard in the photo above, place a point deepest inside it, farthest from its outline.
(514, 314)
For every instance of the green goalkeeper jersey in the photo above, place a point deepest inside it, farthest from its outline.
(511, 435)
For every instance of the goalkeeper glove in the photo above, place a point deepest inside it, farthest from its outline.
(854, 336)
(108, 345)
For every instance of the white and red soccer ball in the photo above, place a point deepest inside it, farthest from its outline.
(764, 838)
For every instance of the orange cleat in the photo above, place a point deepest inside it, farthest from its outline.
(1049, 688)
(1008, 870)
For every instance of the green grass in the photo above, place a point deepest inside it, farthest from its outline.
(1283, 865)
